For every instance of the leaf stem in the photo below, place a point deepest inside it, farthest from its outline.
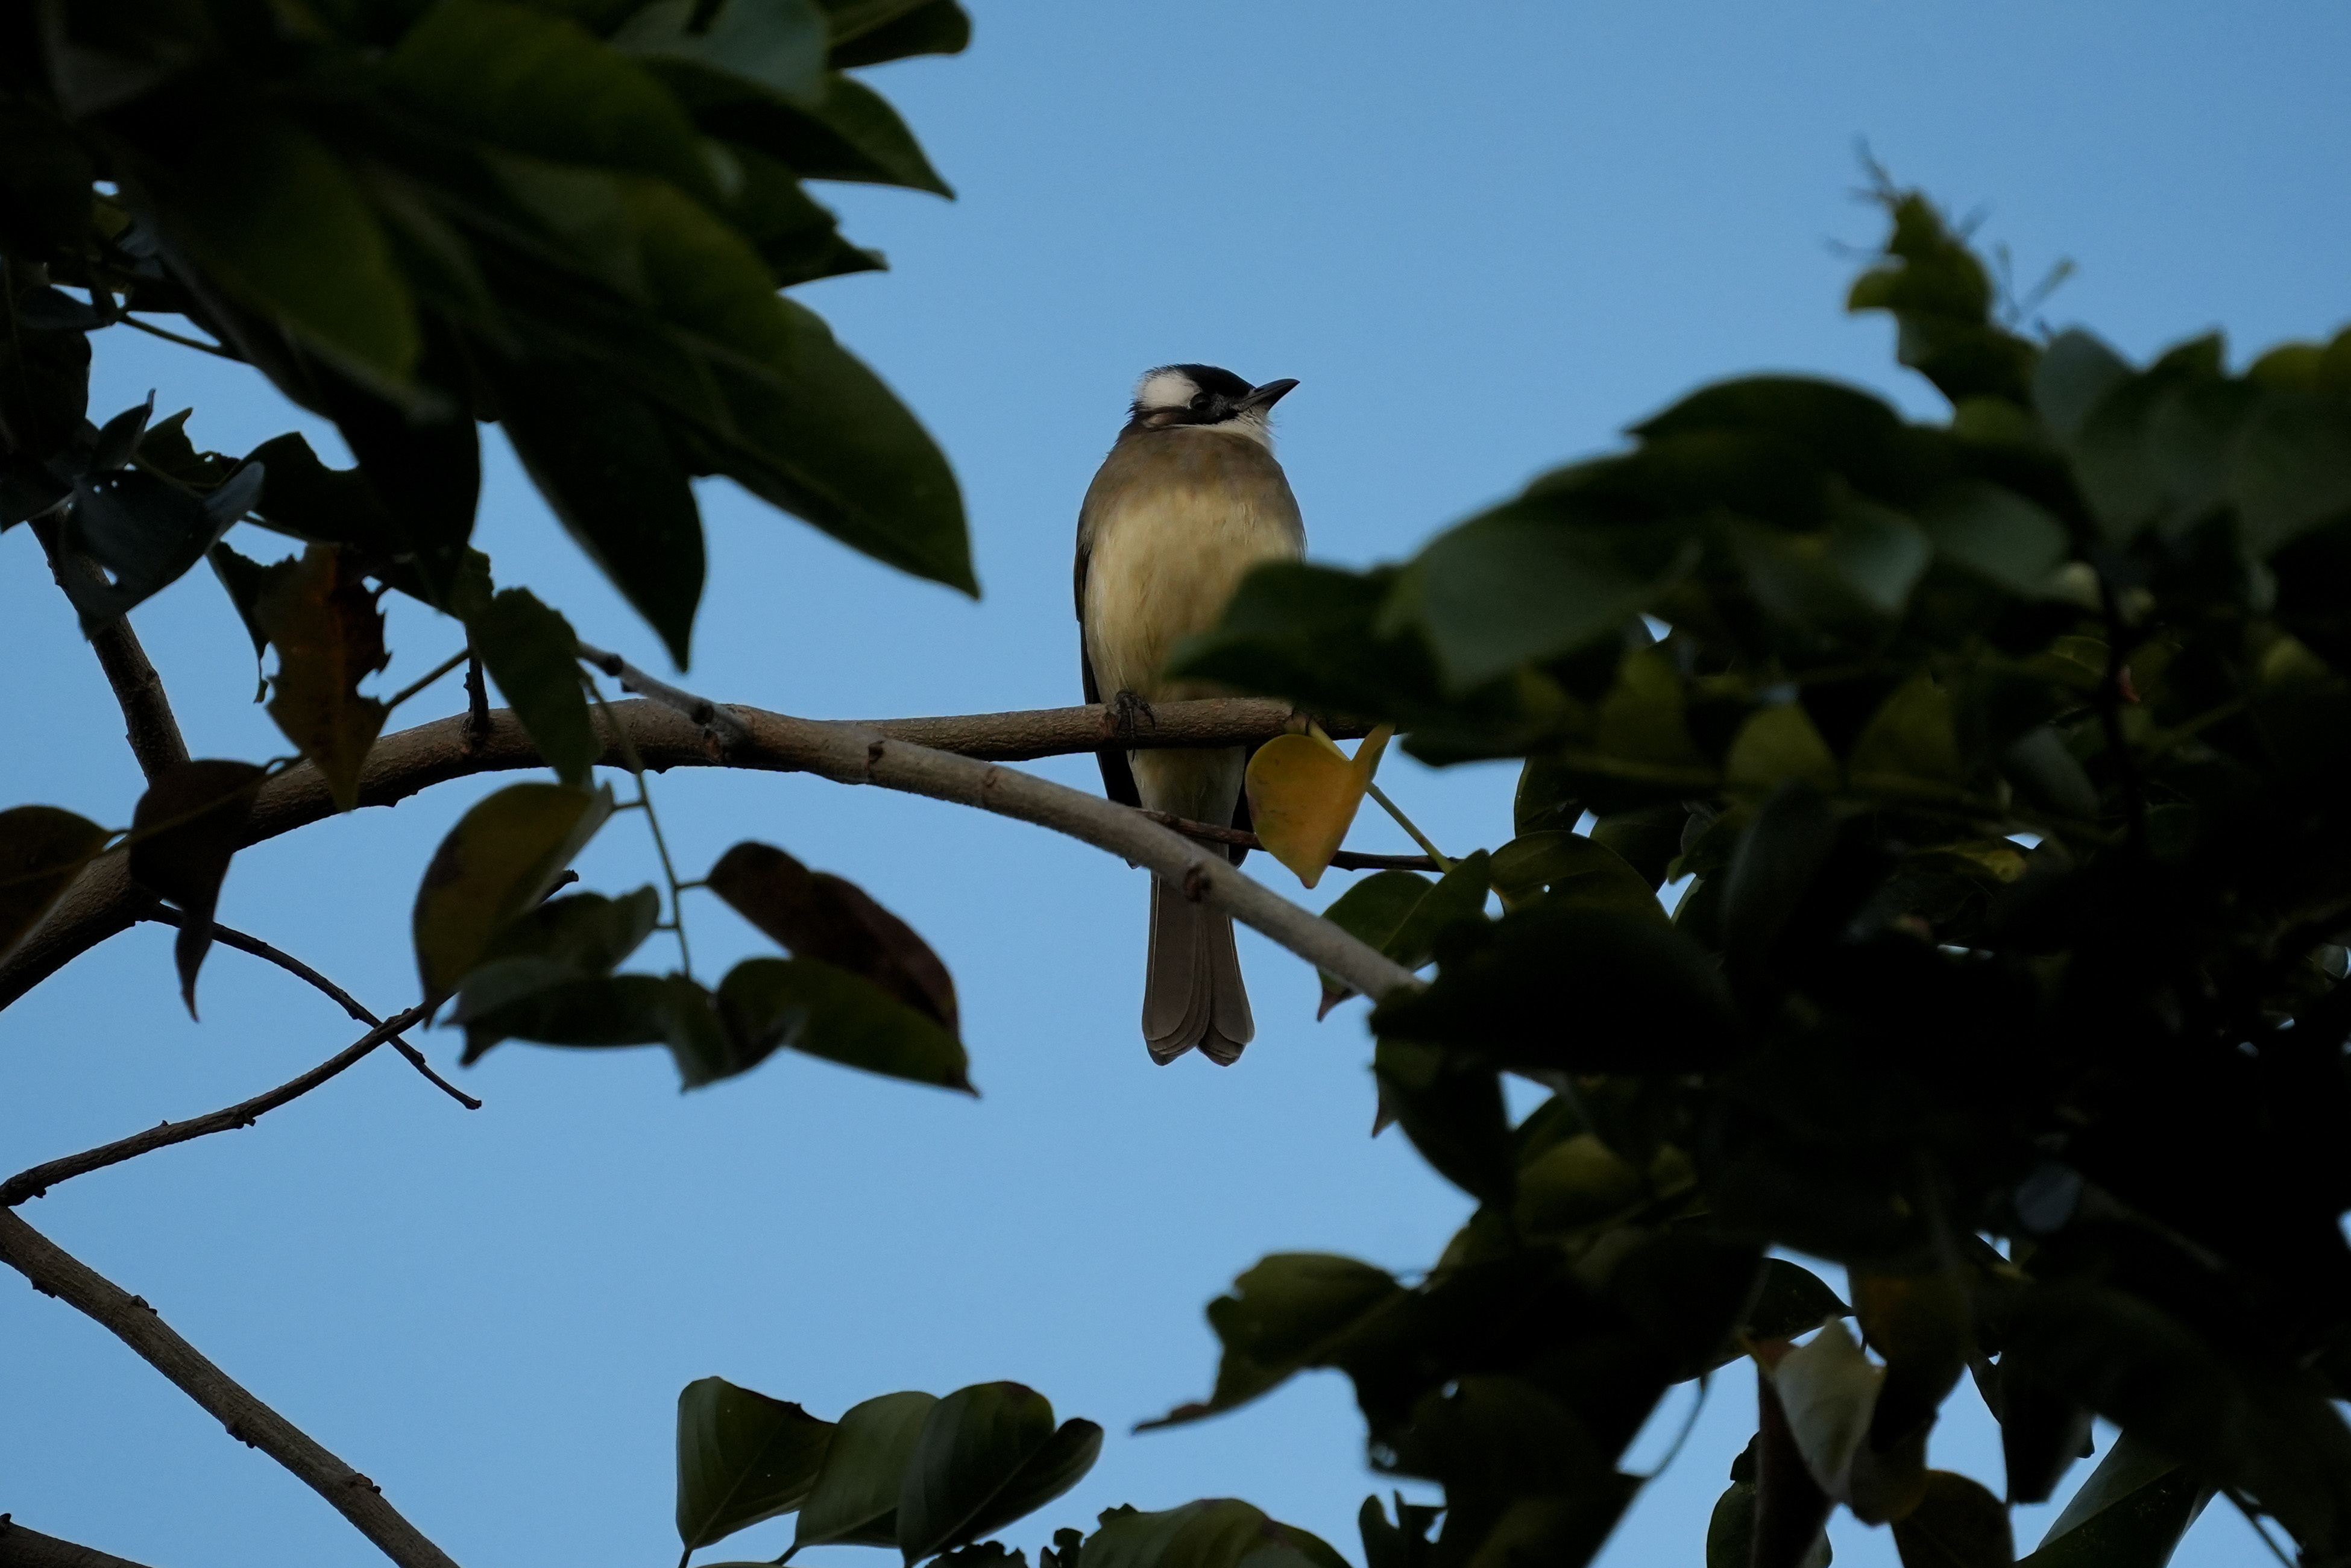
(439, 670)
(128, 320)
(1393, 810)
(636, 764)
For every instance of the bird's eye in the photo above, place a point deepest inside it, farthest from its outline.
(1201, 401)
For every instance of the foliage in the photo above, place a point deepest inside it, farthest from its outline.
(2002, 764)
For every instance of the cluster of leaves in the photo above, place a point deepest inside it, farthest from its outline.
(934, 1478)
(2003, 767)
(572, 218)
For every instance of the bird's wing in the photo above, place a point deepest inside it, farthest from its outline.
(1117, 776)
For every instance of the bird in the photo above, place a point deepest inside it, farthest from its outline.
(1190, 499)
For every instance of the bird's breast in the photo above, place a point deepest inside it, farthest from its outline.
(1170, 541)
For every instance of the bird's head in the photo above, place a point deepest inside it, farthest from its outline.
(1205, 395)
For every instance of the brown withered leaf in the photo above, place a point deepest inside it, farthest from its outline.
(815, 915)
(329, 634)
(187, 827)
(42, 849)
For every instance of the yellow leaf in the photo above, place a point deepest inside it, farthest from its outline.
(1304, 793)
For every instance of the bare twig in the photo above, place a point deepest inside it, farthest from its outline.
(23, 1548)
(1345, 860)
(478, 698)
(229, 936)
(104, 901)
(148, 721)
(35, 1182)
(718, 721)
(56, 1272)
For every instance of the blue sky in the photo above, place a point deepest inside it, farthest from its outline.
(1485, 239)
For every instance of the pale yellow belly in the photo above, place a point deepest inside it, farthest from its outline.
(1164, 568)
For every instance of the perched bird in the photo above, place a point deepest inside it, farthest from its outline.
(1188, 500)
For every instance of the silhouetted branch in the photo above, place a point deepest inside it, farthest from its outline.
(56, 1272)
(946, 758)
(1345, 860)
(23, 1548)
(35, 1182)
(229, 936)
(148, 721)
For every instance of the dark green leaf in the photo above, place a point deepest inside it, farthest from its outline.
(1452, 1110)
(855, 1501)
(1214, 1532)
(600, 457)
(1571, 988)
(2291, 467)
(319, 505)
(2076, 374)
(1777, 859)
(1048, 1473)
(808, 1005)
(501, 859)
(1994, 531)
(427, 474)
(530, 651)
(1958, 1525)
(1291, 1312)
(974, 1442)
(1790, 1300)
(1546, 798)
(1570, 869)
(2130, 1513)
(146, 532)
(1372, 910)
(1460, 894)
(901, 27)
(849, 132)
(524, 984)
(538, 84)
(815, 915)
(183, 833)
(741, 1457)
(42, 849)
(1403, 1544)
(769, 45)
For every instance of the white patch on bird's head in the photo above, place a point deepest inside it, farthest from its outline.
(1166, 388)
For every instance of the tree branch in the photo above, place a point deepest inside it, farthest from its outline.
(229, 936)
(1345, 860)
(104, 900)
(148, 722)
(37, 1182)
(56, 1272)
(23, 1548)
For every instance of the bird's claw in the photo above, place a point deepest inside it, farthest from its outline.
(1125, 710)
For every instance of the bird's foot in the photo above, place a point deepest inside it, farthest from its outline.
(1128, 713)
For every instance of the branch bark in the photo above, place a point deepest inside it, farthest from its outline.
(56, 1272)
(148, 722)
(944, 757)
(35, 1182)
(23, 1548)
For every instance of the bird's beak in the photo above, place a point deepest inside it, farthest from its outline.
(1265, 396)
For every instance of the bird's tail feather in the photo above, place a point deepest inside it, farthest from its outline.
(1192, 991)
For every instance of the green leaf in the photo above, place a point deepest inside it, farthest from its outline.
(1778, 857)
(2130, 1513)
(1411, 940)
(42, 849)
(770, 46)
(273, 215)
(1777, 745)
(1546, 798)
(1791, 1299)
(500, 859)
(538, 84)
(988, 1454)
(329, 633)
(1214, 1532)
(1571, 988)
(816, 914)
(1993, 532)
(1908, 746)
(1958, 1525)
(427, 473)
(2291, 467)
(1569, 869)
(893, 29)
(810, 1005)
(855, 1500)
(146, 531)
(1372, 911)
(531, 652)
(185, 830)
(602, 459)
(1516, 587)
(2076, 374)
(523, 986)
(849, 133)
(1291, 1312)
(319, 505)
(798, 239)
(741, 1457)
(1452, 1110)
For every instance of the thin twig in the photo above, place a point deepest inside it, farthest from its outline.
(168, 336)
(24, 1547)
(701, 710)
(477, 699)
(104, 900)
(148, 721)
(35, 1182)
(56, 1272)
(229, 936)
(1345, 860)
(644, 802)
(439, 670)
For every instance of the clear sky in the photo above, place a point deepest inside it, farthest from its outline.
(1485, 238)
